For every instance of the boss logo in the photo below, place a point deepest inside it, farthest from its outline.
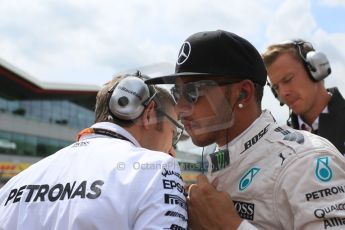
(245, 210)
(255, 139)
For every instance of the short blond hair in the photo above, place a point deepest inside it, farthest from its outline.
(291, 47)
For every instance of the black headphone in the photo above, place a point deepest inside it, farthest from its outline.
(274, 92)
(315, 63)
(130, 96)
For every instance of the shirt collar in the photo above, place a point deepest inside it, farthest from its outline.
(117, 129)
(314, 126)
(239, 146)
(257, 125)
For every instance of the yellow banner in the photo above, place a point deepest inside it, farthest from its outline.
(10, 169)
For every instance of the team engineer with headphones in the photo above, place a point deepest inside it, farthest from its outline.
(297, 74)
(118, 175)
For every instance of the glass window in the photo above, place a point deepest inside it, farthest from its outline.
(13, 105)
(20, 143)
(60, 112)
(3, 105)
(28, 145)
(6, 143)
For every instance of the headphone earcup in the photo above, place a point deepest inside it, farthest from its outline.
(318, 65)
(127, 98)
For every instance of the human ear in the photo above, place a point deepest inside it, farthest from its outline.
(148, 115)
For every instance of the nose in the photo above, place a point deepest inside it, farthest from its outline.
(284, 92)
(183, 108)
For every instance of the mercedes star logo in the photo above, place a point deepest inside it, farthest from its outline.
(184, 53)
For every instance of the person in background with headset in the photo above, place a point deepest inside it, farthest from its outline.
(268, 176)
(108, 178)
(297, 72)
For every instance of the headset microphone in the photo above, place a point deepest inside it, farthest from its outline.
(275, 94)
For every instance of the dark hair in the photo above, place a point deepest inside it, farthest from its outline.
(259, 93)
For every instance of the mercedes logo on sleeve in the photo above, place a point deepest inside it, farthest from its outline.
(184, 53)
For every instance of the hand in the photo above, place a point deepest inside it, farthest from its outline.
(209, 208)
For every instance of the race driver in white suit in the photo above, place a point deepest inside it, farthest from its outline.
(267, 176)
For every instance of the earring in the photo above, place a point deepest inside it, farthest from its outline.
(240, 105)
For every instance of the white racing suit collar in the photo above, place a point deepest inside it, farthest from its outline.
(233, 151)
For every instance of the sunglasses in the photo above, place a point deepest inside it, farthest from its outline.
(178, 127)
(192, 90)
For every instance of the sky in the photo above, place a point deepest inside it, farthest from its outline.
(87, 42)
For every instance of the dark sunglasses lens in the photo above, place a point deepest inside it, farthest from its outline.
(176, 93)
(191, 93)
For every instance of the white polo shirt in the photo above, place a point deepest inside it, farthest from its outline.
(98, 182)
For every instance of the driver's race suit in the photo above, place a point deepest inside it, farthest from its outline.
(281, 178)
